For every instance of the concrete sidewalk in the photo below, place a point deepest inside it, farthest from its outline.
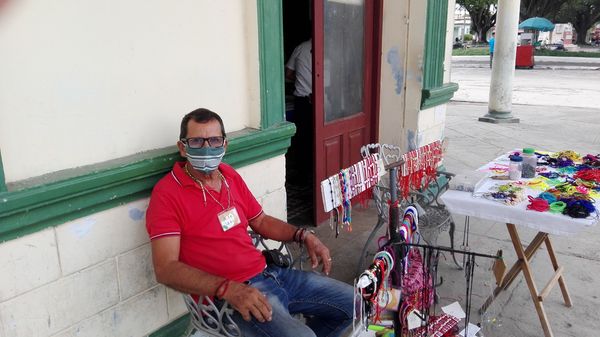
(541, 62)
(472, 144)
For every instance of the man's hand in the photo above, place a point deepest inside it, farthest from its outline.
(318, 253)
(248, 301)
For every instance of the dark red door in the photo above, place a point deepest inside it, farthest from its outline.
(347, 37)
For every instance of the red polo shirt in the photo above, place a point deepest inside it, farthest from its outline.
(178, 207)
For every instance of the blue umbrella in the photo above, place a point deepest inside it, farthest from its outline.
(537, 23)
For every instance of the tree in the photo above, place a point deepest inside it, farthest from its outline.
(543, 8)
(483, 15)
(582, 14)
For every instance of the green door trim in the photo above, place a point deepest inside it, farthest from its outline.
(270, 42)
(435, 92)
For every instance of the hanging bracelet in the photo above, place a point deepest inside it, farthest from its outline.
(222, 289)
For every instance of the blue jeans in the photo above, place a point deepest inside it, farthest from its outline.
(327, 305)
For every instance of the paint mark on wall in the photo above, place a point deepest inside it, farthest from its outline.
(136, 214)
(395, 61)
(411, 140)
(83, 227)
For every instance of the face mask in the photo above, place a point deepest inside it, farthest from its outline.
(205, 159)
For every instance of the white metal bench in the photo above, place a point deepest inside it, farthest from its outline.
(207, 319)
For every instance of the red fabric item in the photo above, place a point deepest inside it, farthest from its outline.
(438, 327)
(177, 208)
(415, 291)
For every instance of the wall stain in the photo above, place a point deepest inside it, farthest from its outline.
(83, 227)
(136, 214)
(395, 61)
(411, 140)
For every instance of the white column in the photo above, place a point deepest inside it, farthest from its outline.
(503, 64)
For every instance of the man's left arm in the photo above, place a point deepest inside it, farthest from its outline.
(275, 229)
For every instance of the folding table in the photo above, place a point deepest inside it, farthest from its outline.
(545, 223)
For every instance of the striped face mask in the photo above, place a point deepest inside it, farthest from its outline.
(205, 159)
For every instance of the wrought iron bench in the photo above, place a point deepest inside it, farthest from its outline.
(208, 318)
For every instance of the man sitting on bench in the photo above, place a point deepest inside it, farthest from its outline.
(198, 221)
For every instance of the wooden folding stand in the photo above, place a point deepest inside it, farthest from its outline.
(523, 265)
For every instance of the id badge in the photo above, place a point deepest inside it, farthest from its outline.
(229, 218)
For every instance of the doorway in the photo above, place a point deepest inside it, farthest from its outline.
(297, 29)
(342, 110)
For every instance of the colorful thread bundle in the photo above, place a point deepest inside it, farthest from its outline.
(419, 168)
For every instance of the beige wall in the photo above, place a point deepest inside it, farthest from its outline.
(88, 81)
(402, 122)
(93, 276)
(401, 71)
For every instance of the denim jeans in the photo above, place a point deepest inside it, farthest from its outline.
(326, 304)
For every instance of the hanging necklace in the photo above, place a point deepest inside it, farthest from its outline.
(205, 190)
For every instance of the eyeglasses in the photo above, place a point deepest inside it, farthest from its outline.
(198, 142)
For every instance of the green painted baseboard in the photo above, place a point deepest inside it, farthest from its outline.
(98, 187)
(174, 329)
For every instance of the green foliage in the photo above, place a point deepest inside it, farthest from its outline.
(467, 37)
(483, 15)
(582, 14)
(563, 53)
(543, 8)
(471, 52)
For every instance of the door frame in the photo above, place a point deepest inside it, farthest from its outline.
(373, 31)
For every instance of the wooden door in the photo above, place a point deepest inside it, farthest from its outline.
(346, 59)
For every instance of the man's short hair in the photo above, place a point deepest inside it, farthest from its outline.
(200, 115)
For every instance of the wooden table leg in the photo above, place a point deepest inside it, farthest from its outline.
(522, 265)
(514, 236)
(558, 274)
(515, 270)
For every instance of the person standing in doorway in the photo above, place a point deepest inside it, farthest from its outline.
(492, 42)
(299, 70)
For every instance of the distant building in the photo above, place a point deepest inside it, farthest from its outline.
(562, 31)
(462, 23)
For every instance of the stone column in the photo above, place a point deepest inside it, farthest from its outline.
(503, 64)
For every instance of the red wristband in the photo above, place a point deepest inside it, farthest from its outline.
(222, 289)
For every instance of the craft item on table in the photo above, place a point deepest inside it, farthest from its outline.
(538, 183)
(538, 204)
(515, 168)
(419, 168)
(567, 169)
(568, 154)
(549, 197)
(591, 160)
(550, 175)
(588, 175)
(557, 207)
(509, 194)
(529, 163)
(578, 208)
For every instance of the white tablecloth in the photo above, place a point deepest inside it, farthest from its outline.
(464, 203)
